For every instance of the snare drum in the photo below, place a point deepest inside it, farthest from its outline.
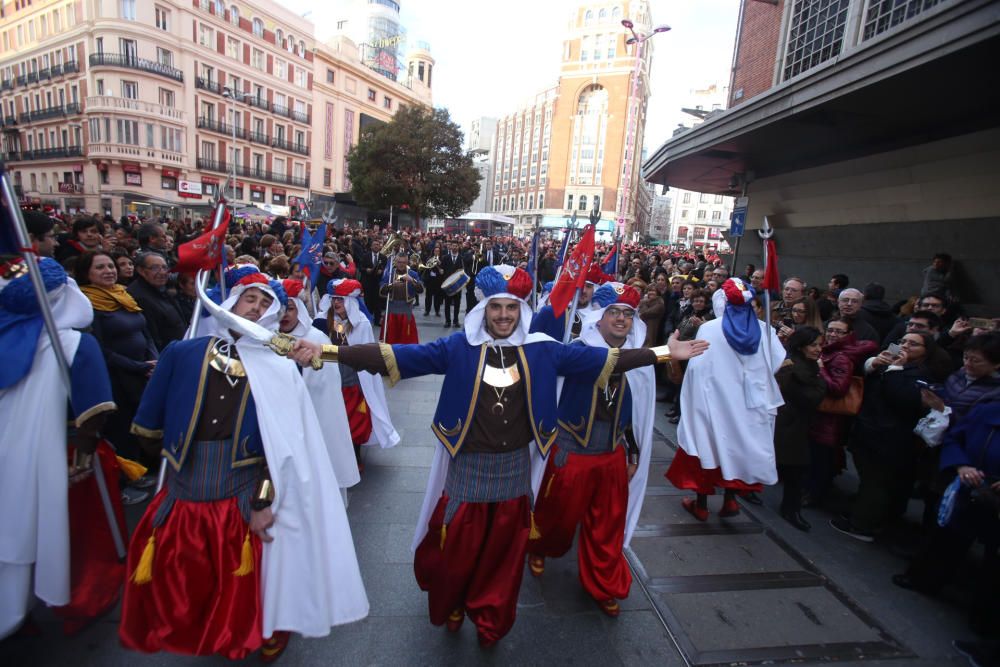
(455, 283)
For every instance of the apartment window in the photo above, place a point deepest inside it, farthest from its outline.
(815, 34)
(329, 72)
(234, 15)
(257, 60)
(301, 78)
(162, 18)
(258, 28)
(56, 21)
(583, 202)
(206, 36)
(684, 214)
(716, 215)
(387, 102)
(150, 135)
(371, 94)
(208, 151)
(130, 90)
(220, 8)
(701, 214)
(166, 97)
(233, 48)
(327, 177)
(164, 57)
(100, 86)
(258, 161)
(569, 202)
(703, 198)
(128, 132)
(687, 198)
(128, 10)
(280, 69)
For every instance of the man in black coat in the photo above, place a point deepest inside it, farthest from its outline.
(163, 314)
(370, 267)
(451, 262)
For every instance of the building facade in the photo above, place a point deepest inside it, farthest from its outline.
(350, 96)
(147, 108)
(565, 150)
(659, 224)
(866, 132)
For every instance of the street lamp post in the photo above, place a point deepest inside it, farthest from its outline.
(233, 95)
(639, 39)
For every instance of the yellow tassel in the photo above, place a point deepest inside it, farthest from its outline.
(132, 469)
(144, 570)
(362, 406)
(548, 487)
(535, 534)
(246, 558)
(444, 534)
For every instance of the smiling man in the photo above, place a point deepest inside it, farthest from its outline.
(498, 396)
(596, 475)
(230, 418)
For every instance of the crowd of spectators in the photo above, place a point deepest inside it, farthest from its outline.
(883, 367)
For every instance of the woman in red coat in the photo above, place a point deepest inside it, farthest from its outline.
(841, 359)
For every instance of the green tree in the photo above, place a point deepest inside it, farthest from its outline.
(414, 162)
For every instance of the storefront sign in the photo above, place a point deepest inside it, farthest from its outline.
(189, 189)
(133, 178)
(171, 173)
(131, 168)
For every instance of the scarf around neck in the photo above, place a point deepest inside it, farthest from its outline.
(110, 300)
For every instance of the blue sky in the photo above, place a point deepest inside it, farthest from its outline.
(493, 55)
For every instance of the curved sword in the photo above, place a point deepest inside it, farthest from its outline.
(279, 342)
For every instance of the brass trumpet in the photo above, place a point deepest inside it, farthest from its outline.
(432, 263)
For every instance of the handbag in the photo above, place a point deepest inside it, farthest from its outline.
(848, 405)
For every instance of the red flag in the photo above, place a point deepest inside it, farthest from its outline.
(574, 272)
(772, 280)
(204, 252)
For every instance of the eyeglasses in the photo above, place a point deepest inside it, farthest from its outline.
(614, 313)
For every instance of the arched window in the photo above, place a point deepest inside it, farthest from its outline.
(279, 38)
(234, 15)
(531, 201)
(496, 202)
(520, 203)
(593, 100)
(588, 18)
(616, 13)
(503, 204)
(597, 202)
(291, 42)
(220, 8)
(602, 15)
(302, 48)
(583, 202)
(258, 28)
(541, 200)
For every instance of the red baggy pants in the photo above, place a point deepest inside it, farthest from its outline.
(590, 490)
(475, 563)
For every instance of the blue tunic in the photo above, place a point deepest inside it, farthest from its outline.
(462, 365)
(578, 408)
(175, 397)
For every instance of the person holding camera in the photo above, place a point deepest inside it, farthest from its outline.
(971, 453)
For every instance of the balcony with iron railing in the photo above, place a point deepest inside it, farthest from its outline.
(45, 74)
(104, 103)
(221, 127)
(247, 172)
(32, 77)
(22, 80)
(285, 145)
(71, 67)
(44, 154)
(207, 84)
(52, 112)
(57, 70)
(259, 137)
(128, 61)
(7, 84)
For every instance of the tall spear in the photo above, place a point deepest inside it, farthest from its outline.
(28, 255)
(766, 233)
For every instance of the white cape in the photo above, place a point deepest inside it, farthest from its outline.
(311, 579)
(383, 432)
(33, 472)
(728, 406)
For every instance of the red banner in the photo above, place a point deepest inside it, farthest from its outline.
(574, 272)
(772, 280)
(204, 252)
